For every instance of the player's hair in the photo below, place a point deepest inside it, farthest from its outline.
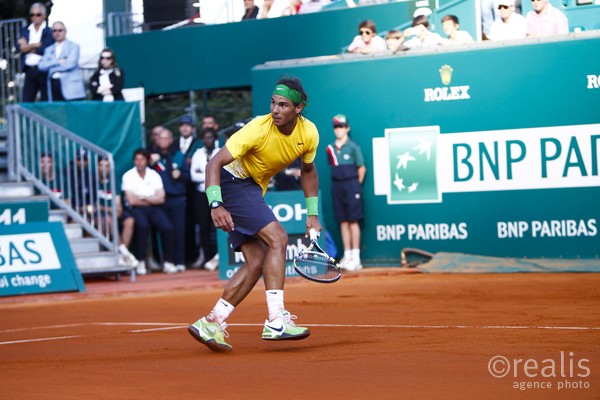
(294, 83)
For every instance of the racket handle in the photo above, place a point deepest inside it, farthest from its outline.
(313, 234)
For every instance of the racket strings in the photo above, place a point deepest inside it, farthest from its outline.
(317, 265)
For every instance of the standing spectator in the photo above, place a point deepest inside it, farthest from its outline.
(187, 144)
(347, 175)
(488, 15)
(210, 122)
(61, 60)
(107, 81)
(451, 28)
(510, 25)
(422, 37)
(175, 175)
(33, 41)
(367, 40)
(200, 159)
(545, 20)
(237, 178)
(144, 192)
(251, 10)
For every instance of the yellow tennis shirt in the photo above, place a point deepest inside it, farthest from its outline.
(261, 151)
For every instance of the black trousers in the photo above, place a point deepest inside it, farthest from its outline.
(35, 81)
(56, 90)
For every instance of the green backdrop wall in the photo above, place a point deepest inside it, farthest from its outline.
(512, 136)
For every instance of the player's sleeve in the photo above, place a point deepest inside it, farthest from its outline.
(311, 151)
(245, 139)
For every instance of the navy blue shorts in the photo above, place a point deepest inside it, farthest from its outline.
(347, 200)
(243, 199)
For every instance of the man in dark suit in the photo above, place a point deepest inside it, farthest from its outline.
(32, 42)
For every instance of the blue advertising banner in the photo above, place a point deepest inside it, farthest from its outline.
(36, 258)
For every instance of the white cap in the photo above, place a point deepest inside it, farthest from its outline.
(506, 2)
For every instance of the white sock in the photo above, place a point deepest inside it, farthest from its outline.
(220, 312)
(275, 303)
(347, 254)
(356, 254)
(124, 250)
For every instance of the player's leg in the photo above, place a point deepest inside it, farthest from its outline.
(280, 324)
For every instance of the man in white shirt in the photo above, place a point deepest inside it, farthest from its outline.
(32, 42)
(143, 189)
(200, 201)
(510, 25)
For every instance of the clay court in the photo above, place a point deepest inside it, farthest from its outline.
(377, 334)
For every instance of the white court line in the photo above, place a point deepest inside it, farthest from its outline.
(163, 326)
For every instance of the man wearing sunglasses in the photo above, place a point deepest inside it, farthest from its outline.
(61, 60)
(510, 25)
(545, 20)
(32, 42)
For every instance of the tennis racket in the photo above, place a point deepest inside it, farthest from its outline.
(314, 264)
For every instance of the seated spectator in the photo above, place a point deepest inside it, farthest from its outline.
(144, 193)
(394, 40)
(49, 175)
(274, 8)
(82, 181)
(510, 25)
(451, 28)
(545, 20)
(311, 6)
(61, 60)
(251, 11)
(109, 203)
(422, 37)
(367, 40)
(106, 83)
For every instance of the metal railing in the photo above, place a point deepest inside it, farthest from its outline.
(76, 175)
(10, 64)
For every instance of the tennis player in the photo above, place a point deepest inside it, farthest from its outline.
(236, 179)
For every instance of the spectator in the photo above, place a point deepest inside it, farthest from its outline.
(202, 217)
(510, 25)
(187, 145)
(451, 28)
(175, 175)
(152, 146)
(422, 37)
(107, 81)
(251, 10)
(265, 8)
(210, 122)
(367, 40)
(33, 41)
(545, 20)
(49, 175)
(61, 60)
(488, 15)
(111, 202)
(82, 182)
(394, 40)
(311, 6)
(289, 178)
(144, 192)
(347, 175)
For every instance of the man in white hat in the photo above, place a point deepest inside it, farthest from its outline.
(510, 25)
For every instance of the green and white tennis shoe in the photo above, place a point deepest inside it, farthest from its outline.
(284, 328)
(210, 334)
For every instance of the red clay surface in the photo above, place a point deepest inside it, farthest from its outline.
(377, 334)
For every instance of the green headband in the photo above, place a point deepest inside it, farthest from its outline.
(290, 94)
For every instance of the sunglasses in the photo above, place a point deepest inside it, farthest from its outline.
(106, 57)
(503, 7)
(57, 30)
(365, 32)
(36, 15)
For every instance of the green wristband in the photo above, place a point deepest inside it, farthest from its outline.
(213, 193)
(312, 206)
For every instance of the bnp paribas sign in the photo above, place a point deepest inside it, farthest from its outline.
(419, 165)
